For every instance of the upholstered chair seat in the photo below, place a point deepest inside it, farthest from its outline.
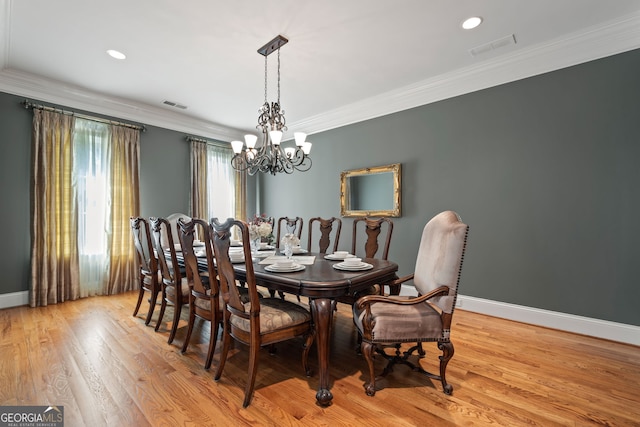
(401, 323)
(205, 304)
(184, 289)
(274, 314)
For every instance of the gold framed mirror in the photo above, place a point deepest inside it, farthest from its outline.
(371, 192)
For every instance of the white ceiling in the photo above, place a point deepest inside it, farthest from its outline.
(346, 60)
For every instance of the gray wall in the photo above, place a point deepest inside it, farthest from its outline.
(544, 170)
(164, 172)
(15, 182)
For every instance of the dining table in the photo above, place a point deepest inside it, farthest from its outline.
(322, 283)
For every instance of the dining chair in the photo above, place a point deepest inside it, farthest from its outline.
(175, 233)
(174, 283)
(204, 296)
(288, 225)
(374, 229)
(329, 230)
(260, 321)
(385, 321)
(147, 265)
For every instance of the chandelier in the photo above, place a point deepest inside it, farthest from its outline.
(269, 156)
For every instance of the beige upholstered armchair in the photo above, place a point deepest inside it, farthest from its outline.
(385, 321)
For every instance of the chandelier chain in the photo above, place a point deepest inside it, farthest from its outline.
(265, 79)
(278, 76)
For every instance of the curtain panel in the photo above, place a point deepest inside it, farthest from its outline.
(199, 200)
(125, 203)
(54, 249)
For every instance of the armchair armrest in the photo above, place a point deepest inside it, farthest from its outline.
(371, 299)
(394, 286)
(401, 280)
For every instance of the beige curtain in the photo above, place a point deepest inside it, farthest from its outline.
(55, 260)
(125, 202)
(54, 250)
(241, 195)
(199, 202)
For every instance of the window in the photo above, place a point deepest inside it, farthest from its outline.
(90, 175)
(221, 183)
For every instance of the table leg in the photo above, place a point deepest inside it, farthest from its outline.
(322, 311)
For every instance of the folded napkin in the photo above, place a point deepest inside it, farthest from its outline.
(304, 260)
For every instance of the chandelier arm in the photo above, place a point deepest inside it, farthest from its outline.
(305, 165)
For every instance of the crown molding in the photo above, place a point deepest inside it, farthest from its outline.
(59, 93)
(608, 39)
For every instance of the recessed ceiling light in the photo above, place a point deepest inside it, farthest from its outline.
(115, 54)
(471, 23)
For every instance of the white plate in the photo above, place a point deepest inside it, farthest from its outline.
(237, 261)
(299, 251)
(236, 243)
(274, 268)
(266, 248)
(334, 257)
(359, 267)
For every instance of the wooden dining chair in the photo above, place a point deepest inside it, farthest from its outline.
(204, 298)
(329, 231)
(385, 321)
(260, 321)
(175, 233)
(147, 265)
(288, 225)
(374, 230)
(174, 284)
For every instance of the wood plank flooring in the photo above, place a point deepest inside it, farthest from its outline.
(108, 369)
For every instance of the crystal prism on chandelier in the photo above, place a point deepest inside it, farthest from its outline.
(269, 156)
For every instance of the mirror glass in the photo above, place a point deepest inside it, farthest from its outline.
(371, 191)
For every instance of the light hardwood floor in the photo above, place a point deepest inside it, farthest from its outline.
(108, 369)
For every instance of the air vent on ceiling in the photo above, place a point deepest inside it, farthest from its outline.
(496, 44)
(175, 104)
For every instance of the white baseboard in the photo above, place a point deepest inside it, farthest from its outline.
(605, 329)
(14, 299)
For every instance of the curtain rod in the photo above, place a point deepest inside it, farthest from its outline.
(205, 141)
(27, 104)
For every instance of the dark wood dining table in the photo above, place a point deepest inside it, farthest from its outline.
(322, 284)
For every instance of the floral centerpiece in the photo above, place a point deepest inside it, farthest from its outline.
(288, 241)
(260, 228)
